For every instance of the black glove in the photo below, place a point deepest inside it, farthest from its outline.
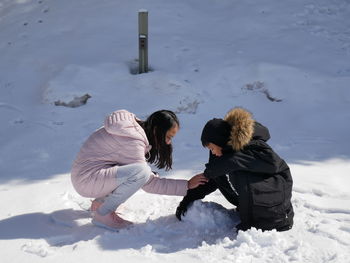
(180, 211)
(192, 195)
(242, 226)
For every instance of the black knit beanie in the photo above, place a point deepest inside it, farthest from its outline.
(216, 131)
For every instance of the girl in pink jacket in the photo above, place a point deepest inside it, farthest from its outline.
(113, 163)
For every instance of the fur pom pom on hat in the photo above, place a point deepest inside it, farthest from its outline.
(242, 127)
(235, 130)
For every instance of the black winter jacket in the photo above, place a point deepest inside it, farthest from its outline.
(254, 179)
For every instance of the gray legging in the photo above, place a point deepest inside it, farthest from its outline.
(130, 178)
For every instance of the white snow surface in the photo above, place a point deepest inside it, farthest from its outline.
(288, 62)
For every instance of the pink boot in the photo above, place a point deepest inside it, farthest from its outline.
(95, 205)
(110, 221)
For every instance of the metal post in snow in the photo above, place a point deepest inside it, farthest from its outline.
(143, 41)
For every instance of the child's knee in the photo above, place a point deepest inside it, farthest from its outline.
(143, 171)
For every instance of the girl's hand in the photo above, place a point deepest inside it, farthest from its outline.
(197, 180)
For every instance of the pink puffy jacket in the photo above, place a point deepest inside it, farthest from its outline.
(120, 141)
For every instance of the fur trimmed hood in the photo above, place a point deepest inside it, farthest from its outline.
(242, 127)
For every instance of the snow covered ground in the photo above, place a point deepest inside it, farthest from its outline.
(288, 62)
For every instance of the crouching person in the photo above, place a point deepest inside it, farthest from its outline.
(113, 163)
(246, 170)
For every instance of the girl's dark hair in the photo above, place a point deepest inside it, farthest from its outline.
(156, 127)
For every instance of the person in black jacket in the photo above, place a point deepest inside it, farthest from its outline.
(246, 170)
